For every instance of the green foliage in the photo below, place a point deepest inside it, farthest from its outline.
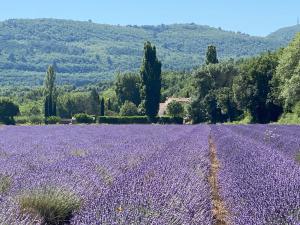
(127, 87)
(214, 99)
(289, 118)
(169, 120)
(88, 52)
(50, 93)
(7, 111)
(110, 95)
(33, 120)
(288, 74)
(128, 109)
(211, 55)
(292, 117)
(54, 206)
(151, 80)
(52, 120)
(177, 84)
(95, 102)
(226, 103)
(253, 88)
(298, 157)
(102, 107)
(5, 183)
(124, 119)
(84, 118)
(175, 109)
(139, 120)
(75, 102)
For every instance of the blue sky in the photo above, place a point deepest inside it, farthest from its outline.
(256, 17)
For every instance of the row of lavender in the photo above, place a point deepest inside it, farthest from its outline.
(259, 177)
(284, 139)
(121, 174)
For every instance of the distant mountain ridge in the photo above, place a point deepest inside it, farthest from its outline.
(85, 52)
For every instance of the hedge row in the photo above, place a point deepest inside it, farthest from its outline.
(139, 120)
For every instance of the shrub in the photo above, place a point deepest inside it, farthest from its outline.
(175, 109)
(22, 120)
(5, 183)
(54, 206)
(124, 119)
(38, 119)
(84, 118)
(170, 120)
(52, 120)
(139, 120)
(298, 157)
(7, 111)
(128, 109)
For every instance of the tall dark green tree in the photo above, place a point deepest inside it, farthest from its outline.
(50, 92)
(95, 102)
(151, 81)
(102, 107)
(211, 55)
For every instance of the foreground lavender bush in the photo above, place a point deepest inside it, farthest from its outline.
(121, 174)
(259, 183)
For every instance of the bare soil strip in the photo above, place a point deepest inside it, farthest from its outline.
(220, 213)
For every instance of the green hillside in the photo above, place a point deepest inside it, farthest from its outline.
(86, 52)
(284, 35)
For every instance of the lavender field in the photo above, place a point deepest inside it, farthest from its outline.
(147, 174)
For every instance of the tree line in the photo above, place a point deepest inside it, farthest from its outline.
(261, 89)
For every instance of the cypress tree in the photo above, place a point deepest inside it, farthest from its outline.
(211, 55)
(102, 108)
(151, 81)
(95, 102)
(49, 92)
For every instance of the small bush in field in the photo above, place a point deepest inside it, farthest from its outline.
(298, 157)
(84, 118)
(53, 120)
(54, 206)
(5, 183)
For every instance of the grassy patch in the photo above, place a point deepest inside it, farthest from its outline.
(298, 157)
(79, 153)
(54, 206)
(5, 183)
(107, 178)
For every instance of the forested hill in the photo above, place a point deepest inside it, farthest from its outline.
(86, 52)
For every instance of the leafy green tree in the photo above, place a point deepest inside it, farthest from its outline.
(175, 109)
(288, 74)
(253, 88)
(151, 80)
(73, 103)
(102, 107)
(227, 105)
(128, 88)
(128, 109)
(211, 55)
(209, 101)
(8, 110)
(95, 102)
(50, 93)
(212, 110)
(197, 111)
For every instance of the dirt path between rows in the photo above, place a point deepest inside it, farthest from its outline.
(220, 213)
